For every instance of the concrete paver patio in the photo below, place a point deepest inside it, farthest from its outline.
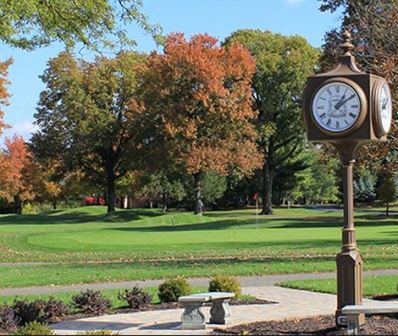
(290, 303)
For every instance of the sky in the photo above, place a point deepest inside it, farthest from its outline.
(218, 18)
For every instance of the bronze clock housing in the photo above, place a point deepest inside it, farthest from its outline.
(367, 126)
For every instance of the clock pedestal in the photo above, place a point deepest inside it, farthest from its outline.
(349, 261)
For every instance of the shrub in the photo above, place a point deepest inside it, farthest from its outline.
(91, 302)
(53, 309)
(8, 320)
(28, 311)
(225, 283)
(136, 297)
(35, 328)
(172, 289)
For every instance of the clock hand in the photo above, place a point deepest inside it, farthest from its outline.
(339, 102)
(342, 102)
(385, 104)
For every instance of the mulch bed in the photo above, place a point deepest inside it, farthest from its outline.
(322, 325)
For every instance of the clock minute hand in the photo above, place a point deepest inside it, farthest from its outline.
(343, 101)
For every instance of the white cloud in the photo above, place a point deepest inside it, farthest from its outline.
(23, 128)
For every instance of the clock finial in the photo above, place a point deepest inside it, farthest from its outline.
(347, 46)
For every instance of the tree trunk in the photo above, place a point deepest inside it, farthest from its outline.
(198, 195)
(164, 202)
(17, 205)
(111, 193)
(54, 204)
(267, 189)
(387, 209)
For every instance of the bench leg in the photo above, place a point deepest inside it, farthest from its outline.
(352, 324)
(192, 318)
(220, 312)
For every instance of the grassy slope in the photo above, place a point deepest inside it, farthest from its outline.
(372, 285)
(84, 235)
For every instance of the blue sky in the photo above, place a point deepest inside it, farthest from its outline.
(215, 17)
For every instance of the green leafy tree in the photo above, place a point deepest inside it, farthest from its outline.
(374, 29)
(388, 193)
(318, 183)
(283, 64)
(213, 186)
(163, 187)
(29, 24)
(87, 117)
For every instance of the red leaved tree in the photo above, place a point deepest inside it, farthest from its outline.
(4, 95)
(15, 162)
(196, 99)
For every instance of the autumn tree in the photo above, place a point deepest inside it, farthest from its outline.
(4, 95)
(29, 24)
(86, 119)
(283, 64)
(374, 29)
(196, 98)
(15, 161)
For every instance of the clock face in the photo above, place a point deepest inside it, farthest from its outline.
(336, 107)
(385, 108)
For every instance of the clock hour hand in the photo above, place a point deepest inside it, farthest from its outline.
(342, 101)
(385, 103)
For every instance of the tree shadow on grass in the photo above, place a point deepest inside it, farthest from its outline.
(77, 217)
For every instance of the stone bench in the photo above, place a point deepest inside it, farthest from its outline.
(193, 317)
(352, 313)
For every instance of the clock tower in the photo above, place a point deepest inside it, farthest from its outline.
(346, 108)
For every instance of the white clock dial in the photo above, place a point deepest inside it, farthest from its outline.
(385, 108)
(336, 107)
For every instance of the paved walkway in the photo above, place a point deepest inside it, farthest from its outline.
(290, 303)
(246, 281)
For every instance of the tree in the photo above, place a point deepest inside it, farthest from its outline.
(4, 95)
(164, 187)
(283, 64)
(94, 23)
(86, 117)
(15, 161)
(374, 29)
(388, 192)
(196, 99)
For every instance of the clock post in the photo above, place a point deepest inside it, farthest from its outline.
(346, 108)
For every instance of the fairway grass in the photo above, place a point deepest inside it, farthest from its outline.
(372, 285)
(74, 274)
(86, 245)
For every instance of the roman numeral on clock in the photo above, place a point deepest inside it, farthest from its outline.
(329, 122)
(352, 115)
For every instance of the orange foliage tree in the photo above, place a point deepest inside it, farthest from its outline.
(15, 161)
(196, 99)
(4, 95)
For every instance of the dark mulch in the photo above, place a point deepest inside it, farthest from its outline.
(322, 325)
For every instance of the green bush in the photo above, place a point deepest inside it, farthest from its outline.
(172, 289)
(225, 283)
(35, 328)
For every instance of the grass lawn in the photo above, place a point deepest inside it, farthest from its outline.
(87, 245)
(372, 285)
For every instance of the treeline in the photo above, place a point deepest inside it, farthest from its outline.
(201, 124)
